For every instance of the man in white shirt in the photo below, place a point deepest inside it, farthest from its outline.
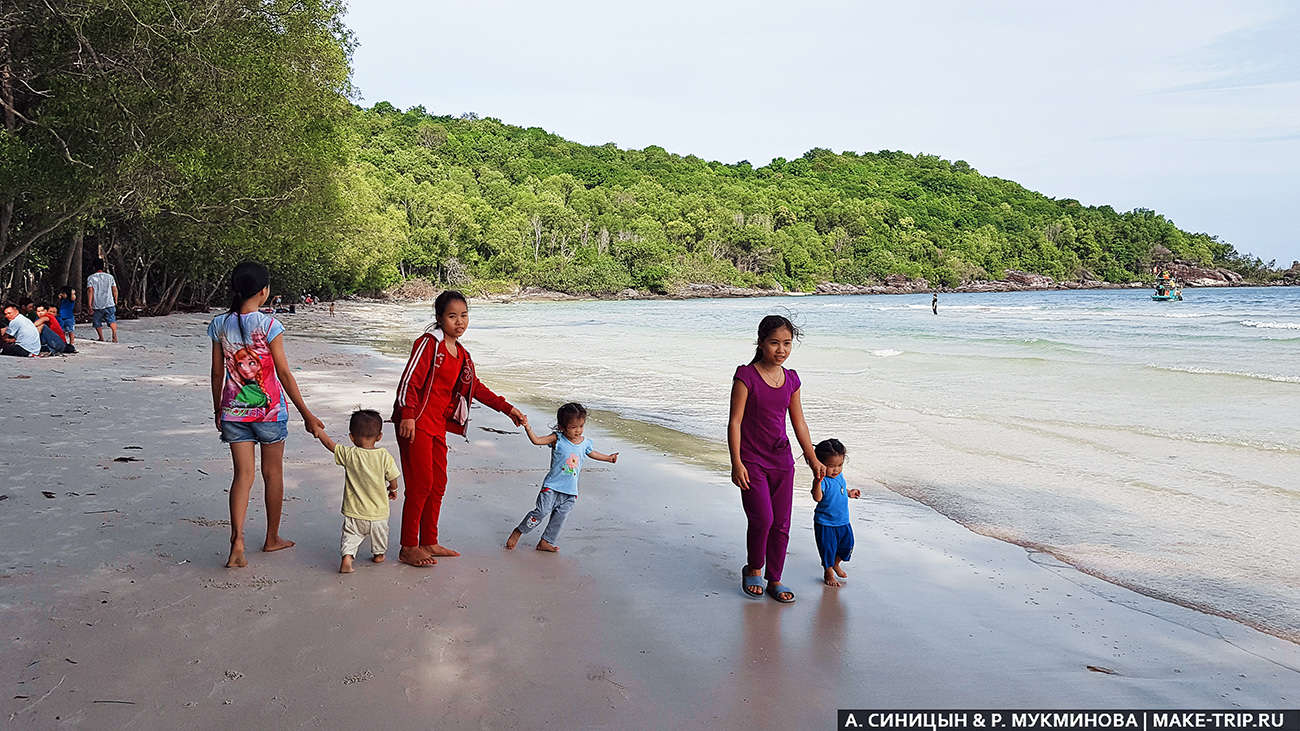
(101, 293)
(19, 335)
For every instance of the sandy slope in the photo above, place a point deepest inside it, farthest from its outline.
(116, 609)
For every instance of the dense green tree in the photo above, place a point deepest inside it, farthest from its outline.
(548, 212)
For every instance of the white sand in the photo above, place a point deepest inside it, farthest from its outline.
(113, 589)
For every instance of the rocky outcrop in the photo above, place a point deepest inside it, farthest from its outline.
(1191, 275)
(1028, 280)
(698, 291)
(1292, 275)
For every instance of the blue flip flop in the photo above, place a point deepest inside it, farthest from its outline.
(747, 581)
(776, 588)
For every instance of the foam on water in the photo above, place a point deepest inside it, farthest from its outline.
(1272, 325)
(1151, 443)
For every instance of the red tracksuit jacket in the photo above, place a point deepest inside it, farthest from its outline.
(437, 393)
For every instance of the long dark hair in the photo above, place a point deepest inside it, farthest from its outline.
(769, 325)
(246, 279)
(440, 304)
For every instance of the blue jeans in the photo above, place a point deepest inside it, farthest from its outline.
(262, 432)
(51, 341)
(552, 503)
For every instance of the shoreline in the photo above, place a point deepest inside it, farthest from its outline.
(716, 291)
(124, 562)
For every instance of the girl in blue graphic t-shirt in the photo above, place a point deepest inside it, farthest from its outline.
(569, 449)
(831, 517)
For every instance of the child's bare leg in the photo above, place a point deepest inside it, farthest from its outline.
(346, 566)
(839, 570)
(545, 545)
(273, 479)
(244, 457)
(513, 540)
(830, 577)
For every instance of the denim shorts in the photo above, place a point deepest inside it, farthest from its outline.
(69, 324)
(262, 432)
(107, 315)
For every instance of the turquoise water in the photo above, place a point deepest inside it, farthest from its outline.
(1151, 443)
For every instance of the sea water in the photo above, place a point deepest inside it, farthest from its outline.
(1149, 443)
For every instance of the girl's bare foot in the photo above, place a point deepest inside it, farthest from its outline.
(830, 578)
(544, 545)
(413, 556)
(276, 544)
(236, 560)
(840, 572)
(377, 558)
(346, 566)
(513, 540)
(438, 550)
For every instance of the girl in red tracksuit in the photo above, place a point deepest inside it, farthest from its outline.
(433, 398)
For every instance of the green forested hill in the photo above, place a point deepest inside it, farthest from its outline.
(478, 199)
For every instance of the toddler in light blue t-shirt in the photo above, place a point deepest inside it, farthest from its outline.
(831, 517)
(569, 450)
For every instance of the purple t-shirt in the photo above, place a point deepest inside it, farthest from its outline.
(762, 429)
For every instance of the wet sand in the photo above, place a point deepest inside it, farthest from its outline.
(117, 609)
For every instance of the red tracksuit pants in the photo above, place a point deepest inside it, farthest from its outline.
(424, 472)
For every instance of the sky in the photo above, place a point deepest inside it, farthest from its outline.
(1189, 108)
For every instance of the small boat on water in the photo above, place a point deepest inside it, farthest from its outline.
(1167, 290)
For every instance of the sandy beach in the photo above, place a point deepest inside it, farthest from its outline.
(118, 612)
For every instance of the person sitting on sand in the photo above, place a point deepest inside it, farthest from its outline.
(367, 471)
(19, 337)
(52, 335)
(559, 493)
(433, 398)
(762, 394)
(831, 526)
(250, 376)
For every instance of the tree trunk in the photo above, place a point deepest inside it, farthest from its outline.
(73, 256)
(7, 92)
(76, 279)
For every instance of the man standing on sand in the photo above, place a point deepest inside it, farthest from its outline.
(101, 293)
(934, 303)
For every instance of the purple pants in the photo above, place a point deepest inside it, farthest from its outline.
(767, 505)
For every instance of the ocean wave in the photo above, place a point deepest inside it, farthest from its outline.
(1232, 374)
(1271, 325)
(886, 353)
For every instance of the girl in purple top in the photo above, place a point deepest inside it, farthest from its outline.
(762, 393)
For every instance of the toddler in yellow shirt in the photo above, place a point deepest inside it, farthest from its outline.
(367, 469)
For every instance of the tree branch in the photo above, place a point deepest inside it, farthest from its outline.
(18, 250)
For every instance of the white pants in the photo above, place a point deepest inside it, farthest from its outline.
(355, 531)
